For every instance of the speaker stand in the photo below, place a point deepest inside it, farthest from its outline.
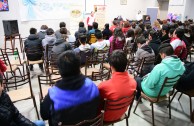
(12, 39)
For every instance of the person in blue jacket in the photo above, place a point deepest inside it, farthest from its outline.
(170, 67)
(74, 98)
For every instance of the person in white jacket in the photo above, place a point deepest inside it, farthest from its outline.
(100, 44)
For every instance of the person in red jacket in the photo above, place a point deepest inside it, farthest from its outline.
(120, 85)
(3, 67)
(90, 20)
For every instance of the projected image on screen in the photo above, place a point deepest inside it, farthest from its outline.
(4, 5)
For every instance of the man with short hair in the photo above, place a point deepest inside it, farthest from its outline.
(74, 98)
(100, 44)
(170, 67)
(58, 34)
(95, 27)
(34, 42)
(120, 85)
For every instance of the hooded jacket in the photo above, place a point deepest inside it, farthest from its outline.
(145, 51)
(100, 45)
(60, 46)
(80, 30)
(33, 41)
(49, 39)
(170, 66)
(70, 101)
(155, 44)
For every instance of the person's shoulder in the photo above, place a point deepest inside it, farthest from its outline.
(103, 85)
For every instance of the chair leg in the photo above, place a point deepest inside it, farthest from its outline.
(190, 107)
(180, 96)
(127, 123)
(137, 104)
(15, 79)
(153, 114)
(169, 107)
(34, 102)
(172, 98)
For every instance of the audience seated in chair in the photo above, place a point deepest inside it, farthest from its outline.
(107, 33)
(33, 42)
(178, 44)
(61, 44)
(57, 33)
(49, 38)
(83, 48)
(42, 32)
(100, 43)
(186, 81)
(170, 67)
(9, 114)
(144, 51)
(120, 85)
(114, 25)
(74, 98)
(117, 40)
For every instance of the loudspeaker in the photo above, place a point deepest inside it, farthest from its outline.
(10, 27)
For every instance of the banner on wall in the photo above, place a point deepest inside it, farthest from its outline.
(100, 13)
(49, 9)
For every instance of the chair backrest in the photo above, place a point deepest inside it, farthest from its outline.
(97, 121)
(168, 82)
(121, 103)
(19, 82)
(8, 54)
(48, 51)
(92, 39)
(84, 55)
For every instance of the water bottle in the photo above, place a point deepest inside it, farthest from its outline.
(15, 55)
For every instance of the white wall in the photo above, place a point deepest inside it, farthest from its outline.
(113, 10)
(189, 9)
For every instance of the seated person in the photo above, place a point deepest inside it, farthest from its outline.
(95, 27)
(49, 38)
(144, 51)
(9, 114)
(171, 66)
(33, 42)
(42, 32)
(57, 33)
(61, 44)
(107, 33)
(85, 48)
(100, 43)
(178, 44)
(74, 98)
(117, 40)
(114, 25)
(187, 79)
(120, 85)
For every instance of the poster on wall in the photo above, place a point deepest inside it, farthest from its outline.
(4, 5)
(100, 12)
(48, 9)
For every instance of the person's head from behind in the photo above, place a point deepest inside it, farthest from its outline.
(62, 24)
(178, 33)
(44, 27)
(33, 30)
(165, 29)
(81, 24)
(148, 27)
(138, 32)
(130, 33)
(49, 31)
(63, 32)
(95, 25)
(153, 35)
(114, 22)
(82, 38)
(126, 24)
(68, 64)
(118, 61)
(118, 32)
(133, 24)
(98, 34)
(106, 26)
(166, 50)
(140, 41)
(171, 31)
